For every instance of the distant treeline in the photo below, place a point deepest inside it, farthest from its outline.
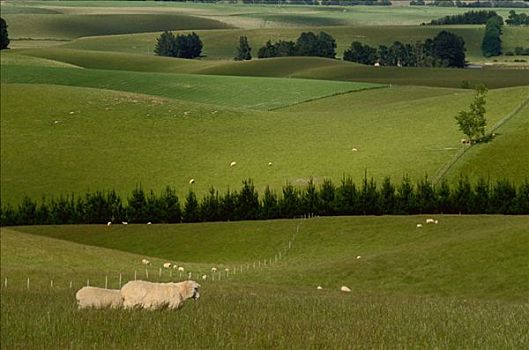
(297, 2)
(445, 50)
(471, 4)
(471, 17)
(327, 199)
(307, 44)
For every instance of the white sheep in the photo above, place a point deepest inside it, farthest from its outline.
(204, 277)
(354, 149)
(98, 298)
(109, 223)
(192, 181)
(345, 289)
(436, 222)
(149, 223)
(358, 257)
(430, 221)
(180, 268)
(175, 267)
(124, 223)
(269, 163)
(233, 163)
(213, 269)
(153, 296)
(319, 288)
(145, 262)
(167, 265)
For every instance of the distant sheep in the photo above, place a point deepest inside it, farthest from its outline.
(204, 277)
(153, 296)
(109, 223)
(354, 149)
(377, 64)
(345, 289)
(98, 298)
(124, 223)
(213, 269)
(175, 267)
(233, 163)
(269, 163)
(436, 222)
(180, 268)
(430, 221)
(145, 262)
(319, 288)
(192, 181)
(149, 223)
(167, 265)
(358, 257)
(419, 225)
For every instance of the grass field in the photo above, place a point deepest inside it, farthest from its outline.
(461, 283)
(119, 140)
(243, 92)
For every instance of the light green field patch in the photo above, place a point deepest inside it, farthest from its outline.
(244, 92)
(12, 58)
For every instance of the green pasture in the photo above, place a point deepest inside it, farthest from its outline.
(507, 154)
(63, 139)
(245, 92)
(461, 283)
(54, 26)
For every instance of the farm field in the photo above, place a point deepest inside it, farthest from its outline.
(441, 285)
(87, 106)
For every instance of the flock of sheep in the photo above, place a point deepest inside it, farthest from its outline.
(139, 295)
(429, 221)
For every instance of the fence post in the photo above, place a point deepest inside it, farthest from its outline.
(120, 280)
(71, 285)
(135, 275)
(88, 283)
(5, 282)
(51, 283)
(28, 284)
(160, 273)
(106, 282)
(146, 274)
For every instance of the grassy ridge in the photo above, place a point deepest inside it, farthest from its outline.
(295, 67)
(56, 26)
(119, 140)
(221, 90)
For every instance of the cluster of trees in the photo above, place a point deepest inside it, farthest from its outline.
(307, 44)
(519, 51)
(346, 198)
(445, 50)
(181, 46)
(491, 44)
(471, 17)
(4, 37)
(515, 19)
(322, 2)
(471, 4)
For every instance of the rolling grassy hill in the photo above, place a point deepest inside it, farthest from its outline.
(80, 139)
(459, 283)
(244, 92)
(60, 26)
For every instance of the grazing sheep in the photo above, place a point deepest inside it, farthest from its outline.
(319, 288)
(124, 223)
(354, 149)
(98, 298)
(345, 289)
(145, 262)
(180, 268)
(419, 225)
(430, 221)
(204, 277)
(56, 122)
(175, 267)
(213, 269)
(153, 296)
(233, 163)
(167, 265)
(109, 223)
(269, 163)
(149, 223)
(192, 181)
(358, 257)
(436, 222)
(377, 64)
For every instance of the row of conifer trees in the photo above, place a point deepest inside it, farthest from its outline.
(327, 199)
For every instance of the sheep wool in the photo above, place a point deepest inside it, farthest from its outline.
(98, 298)
(153, 296)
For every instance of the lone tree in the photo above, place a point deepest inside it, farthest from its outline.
(491, 44)
(166, 44)
(450, 49)
(4, 39)
(244, 50)
(472, 122)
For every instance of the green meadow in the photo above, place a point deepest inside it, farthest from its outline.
(87, 106)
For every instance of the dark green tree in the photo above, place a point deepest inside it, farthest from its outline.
(449, 49)
(137, 206)
(307, 44)
(210, 206)
(326, 196)
(310, 199)
(289, 204)
(387, 194)
(191, 209)
(269, 207)
(491, 44)
(247, 207)
(326, 45)
(166, 44)
(4, 36)
(243, 50)
(472, 122)
(170, 206)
